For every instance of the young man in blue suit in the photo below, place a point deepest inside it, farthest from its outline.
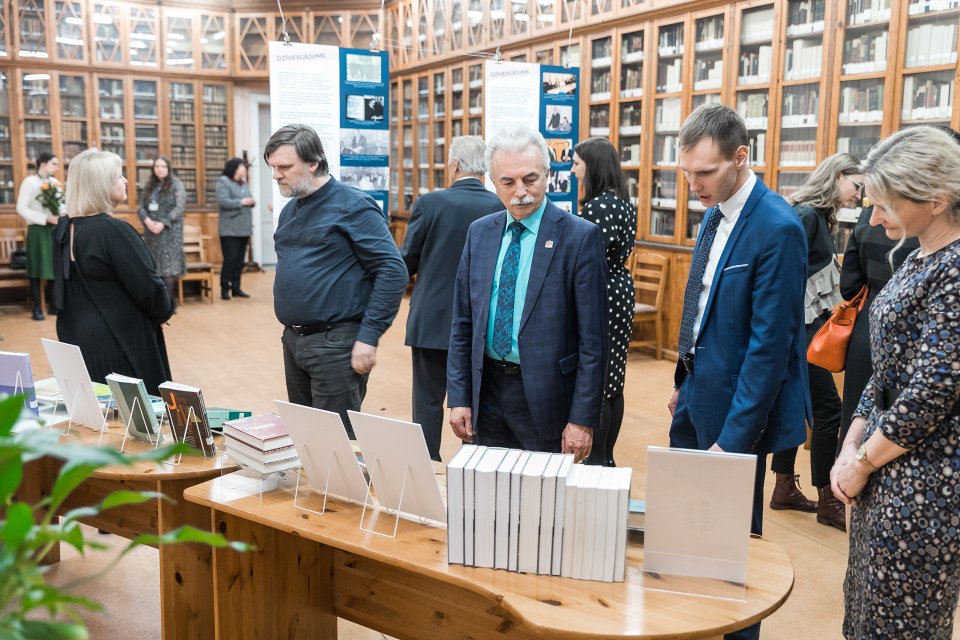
(742, 375)
(528, 338)
(432, 249)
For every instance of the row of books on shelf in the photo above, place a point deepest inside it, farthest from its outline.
(669, 77)
(709, 33)
(861, 104)
(708, 74)
(667, 115)
(795, 153)
(867, 11)
(926, 6)
(801, 102)
(858, 146)
(866, 53)
(756, 26)
(805, 16)
(630, 154)
(755, 65)
(661, 222)
(931, 99)
(536, 512)
(757, 149)
(804, 59)
(931, 44)
(667, 151)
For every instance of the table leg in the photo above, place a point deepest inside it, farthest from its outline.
(282, 589)
(186, 583)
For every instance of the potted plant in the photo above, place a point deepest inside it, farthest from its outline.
(29, 607)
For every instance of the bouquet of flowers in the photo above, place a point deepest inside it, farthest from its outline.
(51, 196)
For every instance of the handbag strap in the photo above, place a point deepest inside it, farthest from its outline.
(860, 299)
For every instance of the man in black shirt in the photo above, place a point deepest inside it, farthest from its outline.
(339, 279)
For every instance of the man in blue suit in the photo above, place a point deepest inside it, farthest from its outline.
(528, 337)
(742, 375)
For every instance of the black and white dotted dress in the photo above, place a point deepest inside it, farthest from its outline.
(903, 574)
(618, 225)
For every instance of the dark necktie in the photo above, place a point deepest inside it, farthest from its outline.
(503, 321)
(691, 297)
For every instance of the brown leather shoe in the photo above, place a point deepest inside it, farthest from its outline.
(831, 511)
(787, 494)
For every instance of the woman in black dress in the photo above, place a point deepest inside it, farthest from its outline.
(111, 300)
(606, 203)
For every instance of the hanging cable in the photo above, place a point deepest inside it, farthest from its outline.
(375, 40)
(283, 26)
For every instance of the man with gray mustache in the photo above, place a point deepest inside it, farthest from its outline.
(527, 353)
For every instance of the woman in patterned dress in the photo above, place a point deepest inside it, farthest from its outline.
(900, 462)
(161, 211)
(606, 202)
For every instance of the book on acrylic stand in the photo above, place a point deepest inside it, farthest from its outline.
(135, 407)
(400, 468)
(16, 377)
(502, 526)
(514, 532)
(324, 451)
(485, 506)
(75, 385)
(188, 416)
(699, 505)
(455, 515)
(469, 506)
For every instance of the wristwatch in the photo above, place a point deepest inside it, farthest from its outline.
(863, 459)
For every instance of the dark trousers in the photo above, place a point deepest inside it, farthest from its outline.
(826, 423)
(318, 372)
(504, 418)
(234, 254)
(429, 390)
(605, 435)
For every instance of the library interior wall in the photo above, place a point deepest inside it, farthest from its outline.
(811, 77)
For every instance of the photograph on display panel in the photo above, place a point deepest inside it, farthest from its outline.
(364, 142)
(365, 178)
(364, 68)
(364, 108)
(558, 118)
(555, 83)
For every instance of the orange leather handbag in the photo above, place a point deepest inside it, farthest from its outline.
(828, 349)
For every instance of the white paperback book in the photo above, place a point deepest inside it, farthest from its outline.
(501, 547)
(514, 532)
(698, 513)
(469, 506)
(455, 503)
(399, 465)
(324, 450)
(586, 526)
(609, 494)
(569, 519)
(558, 513)
(72, 376)
(623, 508)
(531, 482)
(485, 506)
(548, 502)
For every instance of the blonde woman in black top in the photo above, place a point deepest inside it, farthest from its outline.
(606, 203)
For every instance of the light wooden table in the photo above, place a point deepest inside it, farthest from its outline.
(309, 569)
(186, 587)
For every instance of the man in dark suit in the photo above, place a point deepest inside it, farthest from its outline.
(432, 249)
(528, 339)
(742, 375)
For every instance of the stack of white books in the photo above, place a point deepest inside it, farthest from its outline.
(535, 512)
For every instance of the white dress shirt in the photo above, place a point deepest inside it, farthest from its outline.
(730, 208)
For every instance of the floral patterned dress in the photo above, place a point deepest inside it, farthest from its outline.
(904, 569)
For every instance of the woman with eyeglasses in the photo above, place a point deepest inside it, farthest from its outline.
(836, 183)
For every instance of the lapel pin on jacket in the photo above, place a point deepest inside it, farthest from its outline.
(548, 244)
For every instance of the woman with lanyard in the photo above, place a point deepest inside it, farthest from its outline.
(41, 222)
(161, 211)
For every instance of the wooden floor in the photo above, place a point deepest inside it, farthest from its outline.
(232, 350)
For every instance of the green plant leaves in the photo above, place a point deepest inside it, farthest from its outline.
(10, 409)
(18, 524)
(40, 630)
(189, 534)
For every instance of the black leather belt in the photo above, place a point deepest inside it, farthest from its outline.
(310, 329)
(503, 366)
(885, 398)
(687, 361)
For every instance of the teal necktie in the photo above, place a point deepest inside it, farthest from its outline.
(503, 321)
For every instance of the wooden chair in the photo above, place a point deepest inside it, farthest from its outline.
(649, 272)
(10, 240)
(198, 269)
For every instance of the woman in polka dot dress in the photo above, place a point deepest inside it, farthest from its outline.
(606, 203)
(900, 462)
